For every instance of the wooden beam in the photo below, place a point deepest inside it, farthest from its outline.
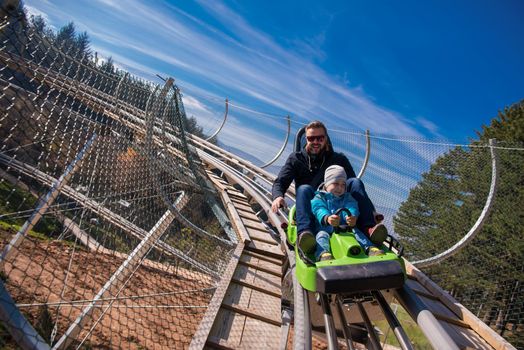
(250, 314)
(257, 288)
(263, 257)
(202, 333)
(486, 333)
(259, 268)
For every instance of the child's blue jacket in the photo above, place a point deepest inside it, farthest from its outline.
(325, 203)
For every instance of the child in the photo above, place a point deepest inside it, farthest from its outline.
(326, 203)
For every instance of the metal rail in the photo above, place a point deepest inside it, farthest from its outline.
(223, 122)
(279, 153)
(475, 229)
(366, 157)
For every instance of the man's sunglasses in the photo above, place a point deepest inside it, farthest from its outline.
(319, 138)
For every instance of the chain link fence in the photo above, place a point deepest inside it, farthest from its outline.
(111, 234)
(457, 209)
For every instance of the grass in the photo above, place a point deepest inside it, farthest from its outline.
(35, 234)
(414, 333)
(14, 199)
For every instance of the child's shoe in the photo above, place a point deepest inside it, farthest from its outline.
(378, 234)
(307, 242)
(374, 251)
(325, 256)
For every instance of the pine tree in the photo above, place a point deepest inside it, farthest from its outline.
(446, 203)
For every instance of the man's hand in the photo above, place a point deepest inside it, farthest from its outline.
(333, 220)
(351, 221)
(279, 202)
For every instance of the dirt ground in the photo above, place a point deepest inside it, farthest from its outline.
(154, 310)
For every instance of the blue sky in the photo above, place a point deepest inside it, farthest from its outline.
(416, 69)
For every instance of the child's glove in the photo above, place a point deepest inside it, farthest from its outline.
(351, 220)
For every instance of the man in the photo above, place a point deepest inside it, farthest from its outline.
(307, 168)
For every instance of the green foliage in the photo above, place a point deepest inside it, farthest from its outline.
(446, 203)
(14, 199)
(44, 324)
(414, 333)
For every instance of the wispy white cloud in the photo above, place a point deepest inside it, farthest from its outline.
(33, 11)
(250, 67)
(246, 62)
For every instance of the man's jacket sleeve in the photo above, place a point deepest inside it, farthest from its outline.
(347, 166)
(284, 179)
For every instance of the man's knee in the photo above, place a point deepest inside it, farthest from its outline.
(354, 184)
(305, 191)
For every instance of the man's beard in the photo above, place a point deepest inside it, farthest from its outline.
(320, 150)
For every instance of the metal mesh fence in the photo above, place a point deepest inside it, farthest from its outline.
(433, 196)
(111, 236)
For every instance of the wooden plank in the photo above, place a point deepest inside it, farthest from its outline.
(200, 336)
(272, 265)
(262, 257)
(260, 268)
(257, 288)
(266, 249)
(249, 214)
(486, 333)
(248, 313)
(262, 239)
(233, 192)
(260, 335)
(242, 205)
(217, 343)
(261, 279)
(241, 201)
(470, 339)
(465, 338)
(256, 225)
(265, 305)
(437, 307)
(455, 321)
(229, 326)
(262, 233)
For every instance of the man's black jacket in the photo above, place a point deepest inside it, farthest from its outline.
(305, 170)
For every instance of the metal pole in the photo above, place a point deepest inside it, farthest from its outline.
(223, 122)
(279, 153)
(302, 330)
(371, 331)
(347, 332)
(45, 202)
(437, 336)
(119, 278)
(331, 333)
(393, 322)
(366, 158)
(20, 329)
(287, 316)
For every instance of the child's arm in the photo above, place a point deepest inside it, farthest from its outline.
(319, 209)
